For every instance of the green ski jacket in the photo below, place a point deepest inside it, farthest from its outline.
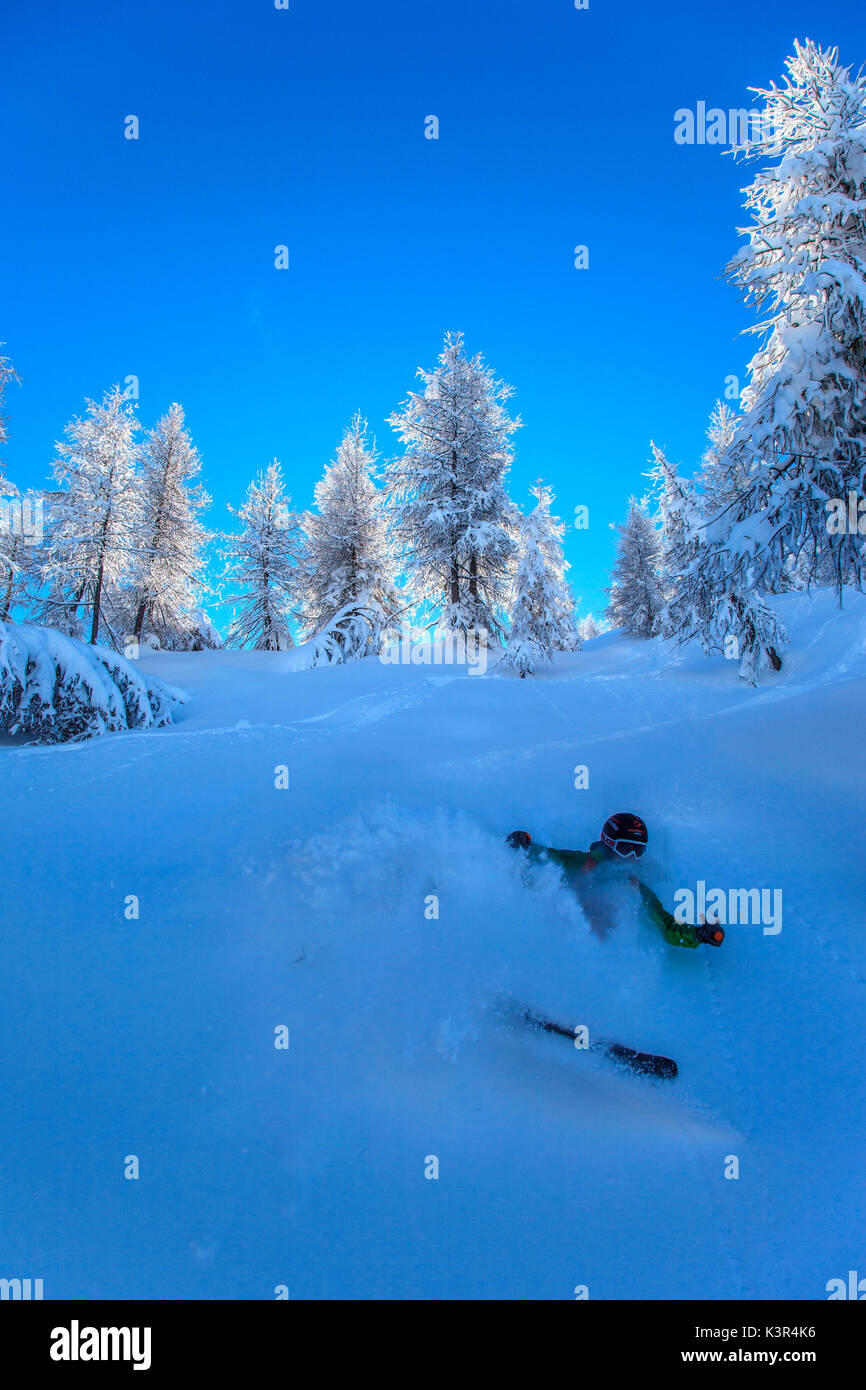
(579, 868)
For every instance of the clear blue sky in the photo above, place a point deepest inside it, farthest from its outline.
(306, 127)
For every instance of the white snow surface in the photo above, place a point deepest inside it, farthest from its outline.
(305, 907)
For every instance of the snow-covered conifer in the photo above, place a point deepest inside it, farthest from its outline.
(719, 482)
(635, 594)
(542, 615)
(21, 535)
(347, 560)
(261, 563)
(589, 627)
(687, 598)
(201, 635)
(167, 583)
(95, 536)
(706, 598)
(7, 374)
(15, 552)
(452, 515)
(801, 440)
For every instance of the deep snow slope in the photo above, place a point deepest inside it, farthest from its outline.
(305, 907)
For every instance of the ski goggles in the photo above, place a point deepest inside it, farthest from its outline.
(625, 848)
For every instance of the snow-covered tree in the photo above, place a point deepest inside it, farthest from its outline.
(718, 482)
(54, 689)
(801, 439)
(589, 627)
(261, 561)
(542, 615)
(7, 374)
(635, 594)
(452, 515)
(355, 631)
(166, 587)
(686, 602)
(21, 532)
(201, 635)
(15, 550)
(95, 537)
(347, 559)
(705, 598)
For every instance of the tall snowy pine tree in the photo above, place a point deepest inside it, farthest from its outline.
(95, 537)
(542, 616)
(719, 483)
(15, 553)
(452, 514)
(589, 627)
(799, 446)
(720, 611)
(635, 594)
(262, 560)
(168, 579)
(7, 374)
(347, 562)
(801, 440)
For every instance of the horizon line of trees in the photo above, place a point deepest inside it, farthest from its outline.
(433, 532)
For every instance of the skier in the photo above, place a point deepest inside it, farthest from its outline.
(623, 837)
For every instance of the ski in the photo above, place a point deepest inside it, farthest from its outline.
(641, 1063)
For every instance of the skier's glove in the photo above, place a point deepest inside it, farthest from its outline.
(710, 936)
(519, 839)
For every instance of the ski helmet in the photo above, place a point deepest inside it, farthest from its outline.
(626, 834)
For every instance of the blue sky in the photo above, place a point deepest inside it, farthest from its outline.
(305, 127)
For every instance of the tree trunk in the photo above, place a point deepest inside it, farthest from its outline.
(267, 624)
(455, 573)
(473, 576)
(97, 601)
(155, 539)
(10, 584)
(77, 597)
(7, 598)
(97, 597)
(138, 625)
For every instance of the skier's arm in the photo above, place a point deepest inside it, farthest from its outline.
(563, 858)
(674, 932)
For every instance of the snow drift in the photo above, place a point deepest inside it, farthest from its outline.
(372, 909)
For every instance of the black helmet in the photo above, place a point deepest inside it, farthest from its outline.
(625, 834)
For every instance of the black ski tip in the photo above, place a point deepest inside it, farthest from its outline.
(644, 1063)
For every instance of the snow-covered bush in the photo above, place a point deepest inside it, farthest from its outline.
(192, 632)
(203, 636)
(56, 689)
(357, 630)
